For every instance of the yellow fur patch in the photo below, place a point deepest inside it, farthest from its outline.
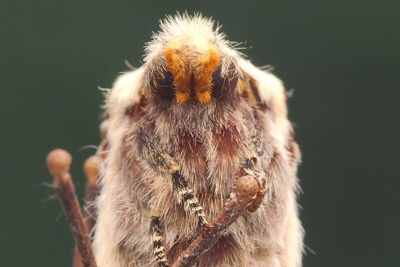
(203, 74)
(181, 97)
(184, 62)
(179, 70)
(204, 97)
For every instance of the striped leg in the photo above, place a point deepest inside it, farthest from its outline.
(156, 230)
(190, 201)
(167, 167)
(250, 186)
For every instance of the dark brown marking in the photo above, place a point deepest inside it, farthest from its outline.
(223, 85)
(129, 110)
(273, 164)
(162, 85)
(292, 147)
(294, 150)
(254, 90)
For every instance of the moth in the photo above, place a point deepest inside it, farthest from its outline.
(198, 161)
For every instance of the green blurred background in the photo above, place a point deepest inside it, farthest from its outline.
(341, 57)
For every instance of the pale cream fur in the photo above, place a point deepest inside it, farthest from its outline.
(270, 237)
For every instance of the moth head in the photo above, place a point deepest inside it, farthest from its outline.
(190, 60)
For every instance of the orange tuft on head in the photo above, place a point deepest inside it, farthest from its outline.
(179, 70)
(204, 97)
(203, 74)
(186, 60)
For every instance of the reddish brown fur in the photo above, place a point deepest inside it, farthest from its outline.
(225, 248)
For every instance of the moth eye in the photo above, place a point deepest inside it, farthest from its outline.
(162, 85)
(223, 85)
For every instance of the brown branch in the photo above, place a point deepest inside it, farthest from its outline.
(246, 189)
(91, 168)
(59, 162)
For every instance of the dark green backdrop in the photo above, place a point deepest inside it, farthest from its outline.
(341, 57)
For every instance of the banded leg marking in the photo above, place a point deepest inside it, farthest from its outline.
(190, 201)
(157, 237)
(167, 166)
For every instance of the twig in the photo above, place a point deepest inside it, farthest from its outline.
(246, 189)
(59, 162)
(91, 168)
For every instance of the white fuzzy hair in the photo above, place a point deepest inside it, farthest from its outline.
(272, 236)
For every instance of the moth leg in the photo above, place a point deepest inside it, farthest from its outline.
(252, 166)
(248, 195)
(255, 204)
(260, 180)
(250, 188)
(156, 230)
(169, 168)
(265, 175)
(245, 190)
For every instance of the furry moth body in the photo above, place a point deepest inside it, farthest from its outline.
(192, 109)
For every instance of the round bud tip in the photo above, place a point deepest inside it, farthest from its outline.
(246, 186)
(59, 161)
(91, 168)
